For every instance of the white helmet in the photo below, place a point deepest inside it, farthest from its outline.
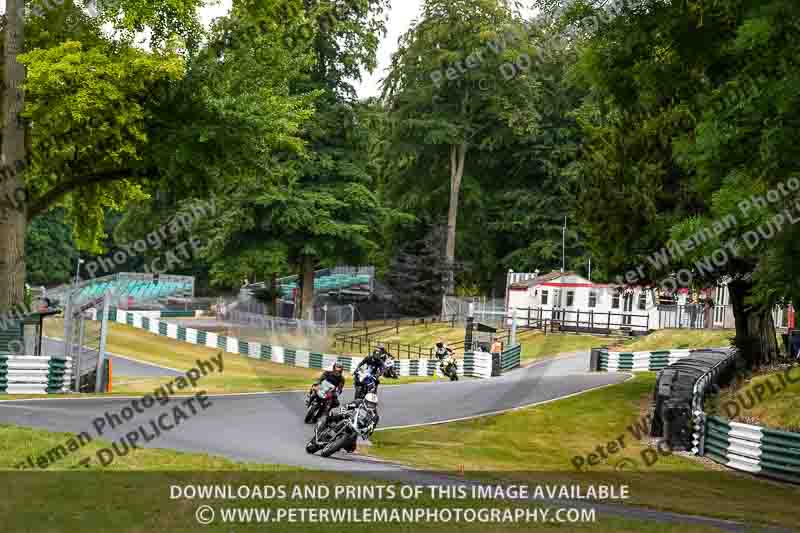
(371, 400)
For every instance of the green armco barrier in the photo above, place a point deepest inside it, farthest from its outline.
(758, 450)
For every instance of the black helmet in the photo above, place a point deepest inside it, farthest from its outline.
(338, 368)
(439, 344)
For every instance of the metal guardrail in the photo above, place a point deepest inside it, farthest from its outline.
(34, 374)
(749, 448)
(754, 449)
(645, 361)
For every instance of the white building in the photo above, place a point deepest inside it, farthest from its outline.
(575, 301)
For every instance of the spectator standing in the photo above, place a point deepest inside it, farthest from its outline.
(497, 346)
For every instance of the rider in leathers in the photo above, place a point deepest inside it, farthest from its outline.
(371, 401)
(376, 362)
(336, 378)
(442, 351)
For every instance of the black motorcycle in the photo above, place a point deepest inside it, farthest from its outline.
(319, 401)
(449, 368)
(342, 432)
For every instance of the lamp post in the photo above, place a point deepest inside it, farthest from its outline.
(78, 270)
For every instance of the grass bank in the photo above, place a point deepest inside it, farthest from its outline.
(679, 339)
(546, 442)
(241, 374)
(771, 399)
(535, 344)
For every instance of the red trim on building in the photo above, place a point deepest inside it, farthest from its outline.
(552, 284)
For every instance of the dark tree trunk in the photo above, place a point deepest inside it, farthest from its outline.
(307, 294)
(755, 329)
(13, 205)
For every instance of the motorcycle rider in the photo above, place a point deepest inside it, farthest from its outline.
(336, 378)
(446, 356)
(375, 362)
(370, 401)
(442, 351)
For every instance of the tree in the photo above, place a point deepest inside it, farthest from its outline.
(50, 252)
(442, 116)
(13, 208)
(419, 272)
(689, 115)
(109, 123)
(535, 178)
(319, 206)
(82, 158)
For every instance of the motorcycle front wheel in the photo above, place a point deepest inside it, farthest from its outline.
(335, 445)
(312, 447)
(312, 412)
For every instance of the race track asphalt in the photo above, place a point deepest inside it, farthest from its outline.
(122, 366)
(268, 427)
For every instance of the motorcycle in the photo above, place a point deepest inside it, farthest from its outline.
(343, 434)
(367, 382)
(449, 368)
(389, 369)
(319, 401)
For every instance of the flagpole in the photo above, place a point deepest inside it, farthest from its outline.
(564, 246)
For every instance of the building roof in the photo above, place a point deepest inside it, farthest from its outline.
(577, 280)
(544, 278)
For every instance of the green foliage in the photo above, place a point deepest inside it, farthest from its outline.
(50, 251)
(89, 122)
(316, 199)
(473, 73)
(681, 131)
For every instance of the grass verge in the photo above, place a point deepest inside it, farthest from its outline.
(138, 494)
(535, 344)
(771, 400)
(679, 339)
(543, 443)
(241, 374)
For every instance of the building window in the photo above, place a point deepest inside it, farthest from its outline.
(615, 301)
(544, 297)
(570, 298)
(592, 299)
(642, 301)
